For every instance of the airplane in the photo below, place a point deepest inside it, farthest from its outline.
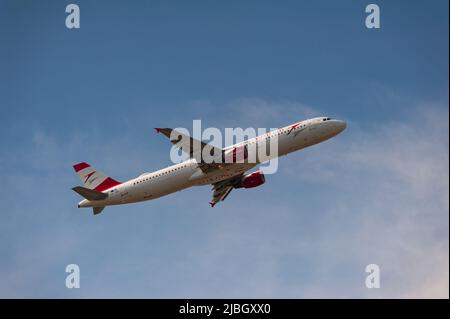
(100, 190)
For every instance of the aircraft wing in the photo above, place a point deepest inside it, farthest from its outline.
(188, 144)
(223, 188)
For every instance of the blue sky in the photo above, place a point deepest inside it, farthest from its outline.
(378, 193)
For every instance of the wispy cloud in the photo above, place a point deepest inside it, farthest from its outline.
(393, 186)
(372, 195)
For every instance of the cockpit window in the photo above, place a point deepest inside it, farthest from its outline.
(327, 119)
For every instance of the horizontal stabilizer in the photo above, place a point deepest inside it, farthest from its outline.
(90, 194)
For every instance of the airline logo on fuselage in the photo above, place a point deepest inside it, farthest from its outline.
(293, 127)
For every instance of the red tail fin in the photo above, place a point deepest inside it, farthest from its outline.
(94, 179)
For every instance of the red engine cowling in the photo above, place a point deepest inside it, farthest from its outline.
(252, 180)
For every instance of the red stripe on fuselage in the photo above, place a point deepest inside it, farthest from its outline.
(106, 184)
(78, 167)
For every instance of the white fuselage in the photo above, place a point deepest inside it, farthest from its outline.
(186, 174)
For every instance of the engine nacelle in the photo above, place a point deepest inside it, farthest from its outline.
(252, 180)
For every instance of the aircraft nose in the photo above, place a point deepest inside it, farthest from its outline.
(341, 125)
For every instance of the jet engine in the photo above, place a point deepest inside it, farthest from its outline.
(252, 180)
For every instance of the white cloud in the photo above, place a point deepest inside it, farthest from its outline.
(394, 183)
(371, 195)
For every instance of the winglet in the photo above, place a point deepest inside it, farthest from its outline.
(157, 129)
(212, 204)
